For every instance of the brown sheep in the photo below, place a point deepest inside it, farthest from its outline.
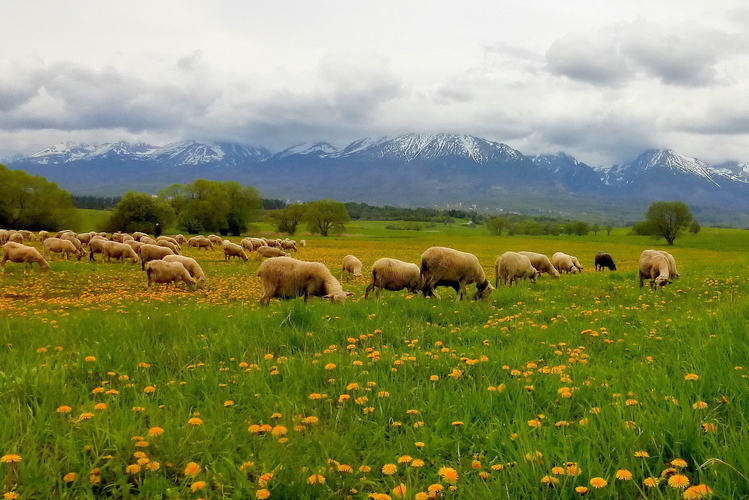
(513, 266)
(159, 271)
(150, 252)
(61, 246)
(287, 278)
(233, 250)
(191, 265)
(351, 267)
(118, 251)
(393, 275)
(564, 263)
(441, 266)
(658, 266)
(542, 263)
(19, 253)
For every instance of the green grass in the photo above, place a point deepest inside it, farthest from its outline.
(501, 367)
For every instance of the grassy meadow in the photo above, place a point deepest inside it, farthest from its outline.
(586, 385)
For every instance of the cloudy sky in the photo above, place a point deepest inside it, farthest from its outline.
(602, 80)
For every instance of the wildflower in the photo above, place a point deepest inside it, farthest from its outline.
(89, 359)
(389, 469)
(228, 403)
(149, 389)
(691, 377)
(69, 477)
(699, 405)
(558, 471)
(581, 490)
(448, 474)
(642, 454)
(623, 475)
(86, 415)
(63, 409)
(132, 469)
(197, 485)
(598, 482)
(100, 406)
(264, 479)
(419, 444)
(10, 458)
(550, 480)
(399, 491)
(192, 469)
(195, 421)
(678, 481)
(330, 366)
(417, 463)
(154, 466)
(475, 464)
(534, 423)
(696, 492)
(435, 489)
(709, 427)
(262, 494)
(345, 468)
(10, 495)
(497, 467)
(457, 423)
(679, 462)
(316, 479)
(651, 482)
(404, 459)
(155, 431)
(279, 430)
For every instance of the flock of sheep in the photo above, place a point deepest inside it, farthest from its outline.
(284, 277)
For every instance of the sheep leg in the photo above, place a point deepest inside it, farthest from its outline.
(369, 289)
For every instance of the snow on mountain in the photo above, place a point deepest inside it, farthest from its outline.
(735, 170)
(411, 147)
(662, 159)
(321, 149)
(555, 162)
(62, 153)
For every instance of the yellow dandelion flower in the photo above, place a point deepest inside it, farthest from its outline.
(534, 423)
(558, 471)
(399, 491)
(100, 406)
(709, 427)
(132, 469)
(696, 492)
(149, 389)
(404, 459)
(10, 495)
(623, 475)
(11, 458)
(582, 490)
(699, 405)
(679, 462)
(330, 366)
(69, 477)
(192, 469)
(417, 463)
(90, 359)
(678, 481)
(435, 489)
(389, 469)
(64, 409)
(155, 431)
(642, 454)
(421, 495)
(316, 479)
(198, 485)
(457, 423)
(598, 482)
(195, 421)
(448, 474)
(550, 480)
(86, 415)
(651, 482)
(691, 376)
(262, 494)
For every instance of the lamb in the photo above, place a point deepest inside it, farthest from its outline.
(61, 246)
(542, 263)
(564, 263)
(352, 266)
(17, 252)
(602, 259)
(216, 240)
(393, 275)
(441, 266)
(233, 250)
(120, 251)
(199, 242)
(168, 244)
(191, 265)
(512, 266)
(657, 266)
(576, 263)
(288, 244)
(271, 252)
(150, 252)
(159, 271)
(287, 278)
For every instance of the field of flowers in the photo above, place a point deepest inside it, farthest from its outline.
(586, 385)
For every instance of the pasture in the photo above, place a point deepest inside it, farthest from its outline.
(586, 385)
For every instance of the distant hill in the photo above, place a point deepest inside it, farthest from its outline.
(410, 170)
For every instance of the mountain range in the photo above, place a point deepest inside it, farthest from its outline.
(408, 170)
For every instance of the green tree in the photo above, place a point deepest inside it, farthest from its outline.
(32, 202)
(139, 212)
(496, 225)
(326, 216)
(286, 220)
(694, 227)
(668, 219)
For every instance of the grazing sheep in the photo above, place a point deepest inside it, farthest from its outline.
(118, 237)
(563, 263)
(200, 242)
(84, 238)
(513, 266)
(19, 253)
(27, 235)
(147, 240)
(233, 250)
(96, 245)
(542, 263)
(247, 244)
(288, 244)
(61, 246)
(150, 252)
(43, 235)
(137, 235)
(576, 263)
(287, 278)
(441, 266)
(135, 245)
(16, 237)
(4, 236)
(168, 244)
(216, 240)
(75, 241)
(352, 266)
(171, 240)
(191, 265)
(118, 251)
(302, 243)
(393, 275)
(60, 233)
(159, 271)
(658, 266)
(602, 260)
(267, 252)
(180, 239)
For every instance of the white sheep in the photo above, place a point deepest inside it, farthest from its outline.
(288, 244)
(118, 251)
(513, 266)
(191, 265)
(287, 278)
(233, 250)
(159, 271)
(216, 240)
(658, 266)
(61, 246)
(96, 245)
(393, 275)
(542, 263)
(268, 252)
(19, 253)
(302, 243)
(564, 263)
(351, 267)
(150, 252)
(441, 266)
(174, 247)
(576, 263)
(199, 242)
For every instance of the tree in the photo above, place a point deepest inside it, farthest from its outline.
(288, 219)
(139, 212)
(668, 219)
(694, 227)
(326, 216)
(496, 225)
(595, 228)
(32, 202)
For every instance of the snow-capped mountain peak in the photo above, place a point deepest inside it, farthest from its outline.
(321, 149)
(664, 159)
